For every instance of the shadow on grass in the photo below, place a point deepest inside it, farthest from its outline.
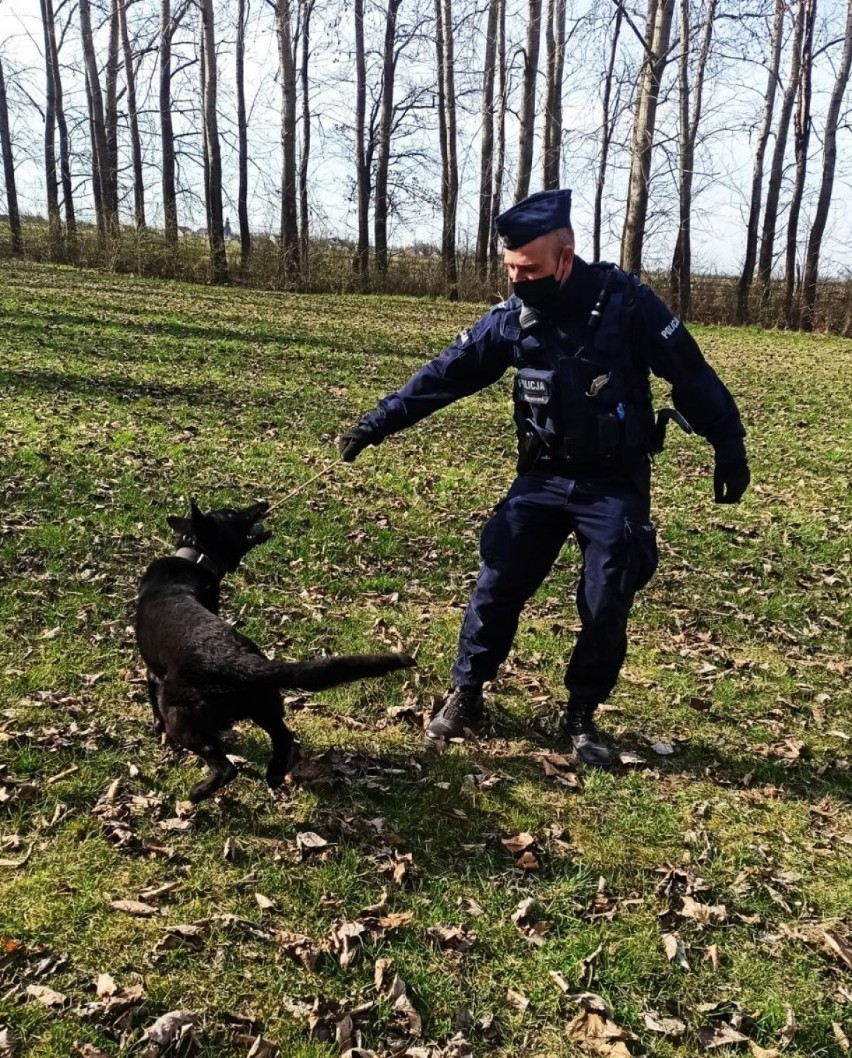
(64, 383)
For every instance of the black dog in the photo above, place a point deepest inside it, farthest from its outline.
(203, 675)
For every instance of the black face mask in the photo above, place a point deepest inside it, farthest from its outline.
(544, 295)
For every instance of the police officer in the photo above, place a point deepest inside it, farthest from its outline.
(583, 339)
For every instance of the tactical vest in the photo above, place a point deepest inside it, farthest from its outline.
(583, 402)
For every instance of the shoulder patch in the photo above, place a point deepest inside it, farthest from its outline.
(670, 327)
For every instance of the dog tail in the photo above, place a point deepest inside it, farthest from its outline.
(323, 672)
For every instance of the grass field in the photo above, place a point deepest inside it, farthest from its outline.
(704, 896)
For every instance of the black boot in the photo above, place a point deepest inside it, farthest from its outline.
(576, 723)
(462, 710)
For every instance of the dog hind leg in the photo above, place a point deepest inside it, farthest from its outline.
(270, 720)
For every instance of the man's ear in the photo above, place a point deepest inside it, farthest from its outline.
(565, 265)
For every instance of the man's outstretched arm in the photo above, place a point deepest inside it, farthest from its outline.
(476, 359)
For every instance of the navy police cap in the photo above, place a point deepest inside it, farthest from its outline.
(534, 216)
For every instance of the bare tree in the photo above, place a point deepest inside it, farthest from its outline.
(829, 161)
(100, 149)
(9, 171)
(776, 169)
(242, 134)
(306, 8)
(51, 49)
(747, 277)
(216, 232)
(133, 119)
(289, 205)
(444, 39)
(111, 113)
(168, 25)
(486, 157)
(657, 36)
(389, 56)
(801, 138)
(608, 119)
(681, 270)
(362, 162)
(51, 183)
(500, 139)
(526, 134)
(555, 38)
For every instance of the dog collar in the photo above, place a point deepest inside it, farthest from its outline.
(198, 558)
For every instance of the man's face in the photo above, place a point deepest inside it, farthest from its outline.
(538, 259)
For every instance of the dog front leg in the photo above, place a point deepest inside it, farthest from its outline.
(209, 747)
(155, 686)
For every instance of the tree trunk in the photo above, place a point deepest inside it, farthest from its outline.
(500, 138)
(362, 169)
(658, 34)
(96, 178)
(383, 147)
(776, 170)
(133, 118)
(801, 138)
(54, 222)
(447, 126)
(829, 161)
(307, 8)
(747, 277)
(486, 157)
(555, 35)
(289, 204)
(17, 244)
(527, 130)
(242, 136)
(52, 59)
(607, 129)
(111, 115)
(100, 149)
(167, 28)
(681, 270)
(216, 232)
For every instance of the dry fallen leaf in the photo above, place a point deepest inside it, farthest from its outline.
(724, 1035)
(134, 907)
(665, 1026)
(8, 1044)
(46, 996)
(453, 938)
(171, 1028)
(597, 1034)
(105, 985)
(308, 842)
(262, 1048)
(761, 1052)
(703, 914)
(264, 903)
(517, 1000)
(675, 950)
(839, 1035)
(86, 1050)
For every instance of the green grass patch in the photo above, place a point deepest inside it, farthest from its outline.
(123, 397)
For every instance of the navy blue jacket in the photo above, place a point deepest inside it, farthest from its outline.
(657, 340)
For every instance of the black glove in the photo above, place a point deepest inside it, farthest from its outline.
(730, 480)
(354, 441)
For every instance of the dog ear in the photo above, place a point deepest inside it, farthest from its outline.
(197, 518)
(180, 525)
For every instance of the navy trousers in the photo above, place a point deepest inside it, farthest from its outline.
(520, 543)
